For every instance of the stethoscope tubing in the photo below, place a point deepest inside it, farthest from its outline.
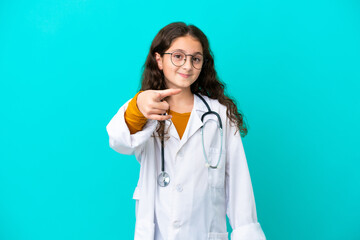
(164, 178)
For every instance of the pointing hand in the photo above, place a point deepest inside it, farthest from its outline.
(152, 105)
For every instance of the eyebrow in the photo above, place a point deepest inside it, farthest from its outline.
(180, 50)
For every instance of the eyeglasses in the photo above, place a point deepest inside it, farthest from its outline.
(179, 59)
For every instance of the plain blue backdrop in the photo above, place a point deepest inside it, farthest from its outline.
(67, 66)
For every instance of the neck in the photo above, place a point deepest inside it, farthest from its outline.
(182, 102)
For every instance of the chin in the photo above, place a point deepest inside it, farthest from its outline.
(180, 83)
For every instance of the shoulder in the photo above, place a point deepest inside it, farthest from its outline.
(221, 109)
(215, 105)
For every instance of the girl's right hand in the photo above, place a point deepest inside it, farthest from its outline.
(152, 105)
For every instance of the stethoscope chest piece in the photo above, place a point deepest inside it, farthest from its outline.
(163, 179)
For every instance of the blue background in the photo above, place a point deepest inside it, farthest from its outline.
(67, 66)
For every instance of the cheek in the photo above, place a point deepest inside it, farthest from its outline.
(169, 74)
(198, 74)
(169, 69)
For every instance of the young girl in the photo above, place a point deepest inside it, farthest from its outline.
(185, 133)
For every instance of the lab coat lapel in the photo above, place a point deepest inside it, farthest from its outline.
(194, 122)
(172, 130)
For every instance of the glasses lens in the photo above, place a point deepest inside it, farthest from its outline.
(178, 58)
(197, 61)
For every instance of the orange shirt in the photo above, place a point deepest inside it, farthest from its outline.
(180, 121)
(135, 120)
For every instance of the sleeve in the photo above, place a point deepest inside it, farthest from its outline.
(240, 200)
(134, 119)
(120, 138)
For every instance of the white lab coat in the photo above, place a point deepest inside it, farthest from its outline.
(195, 204)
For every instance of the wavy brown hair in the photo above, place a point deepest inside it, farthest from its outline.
(207, 84)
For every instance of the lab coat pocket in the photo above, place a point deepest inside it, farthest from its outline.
(136, 197)
(216, 176)
(218, 236)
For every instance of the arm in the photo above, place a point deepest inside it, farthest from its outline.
(152, 106)
(134, 119)
(240, 199)
(120, 138)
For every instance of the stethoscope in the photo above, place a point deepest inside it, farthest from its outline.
(164, 178)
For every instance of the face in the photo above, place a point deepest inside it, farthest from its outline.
(185, 75)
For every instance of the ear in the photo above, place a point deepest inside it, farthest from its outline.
(159, 60)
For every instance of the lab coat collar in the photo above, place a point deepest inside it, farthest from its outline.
(199, 105)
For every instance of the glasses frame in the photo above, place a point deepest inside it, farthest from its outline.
(192, 56)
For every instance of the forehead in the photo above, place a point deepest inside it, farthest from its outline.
(187, 43)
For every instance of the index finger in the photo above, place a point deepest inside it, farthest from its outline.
(167, 92)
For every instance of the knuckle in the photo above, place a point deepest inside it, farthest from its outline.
(151, 105)
(147, 112)
(157, 94)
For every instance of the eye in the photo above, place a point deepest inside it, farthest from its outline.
(197, 59)
(178, 56)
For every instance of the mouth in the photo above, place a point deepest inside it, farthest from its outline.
(184, 75)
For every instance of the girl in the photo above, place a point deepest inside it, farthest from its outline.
(185, 133)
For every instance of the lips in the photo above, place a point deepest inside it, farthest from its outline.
(184, 75)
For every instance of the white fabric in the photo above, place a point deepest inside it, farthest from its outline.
(195, 204)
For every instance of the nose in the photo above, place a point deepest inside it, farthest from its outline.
(188, 63)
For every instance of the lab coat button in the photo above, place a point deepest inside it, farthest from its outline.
(179, 188)
(176, 224)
